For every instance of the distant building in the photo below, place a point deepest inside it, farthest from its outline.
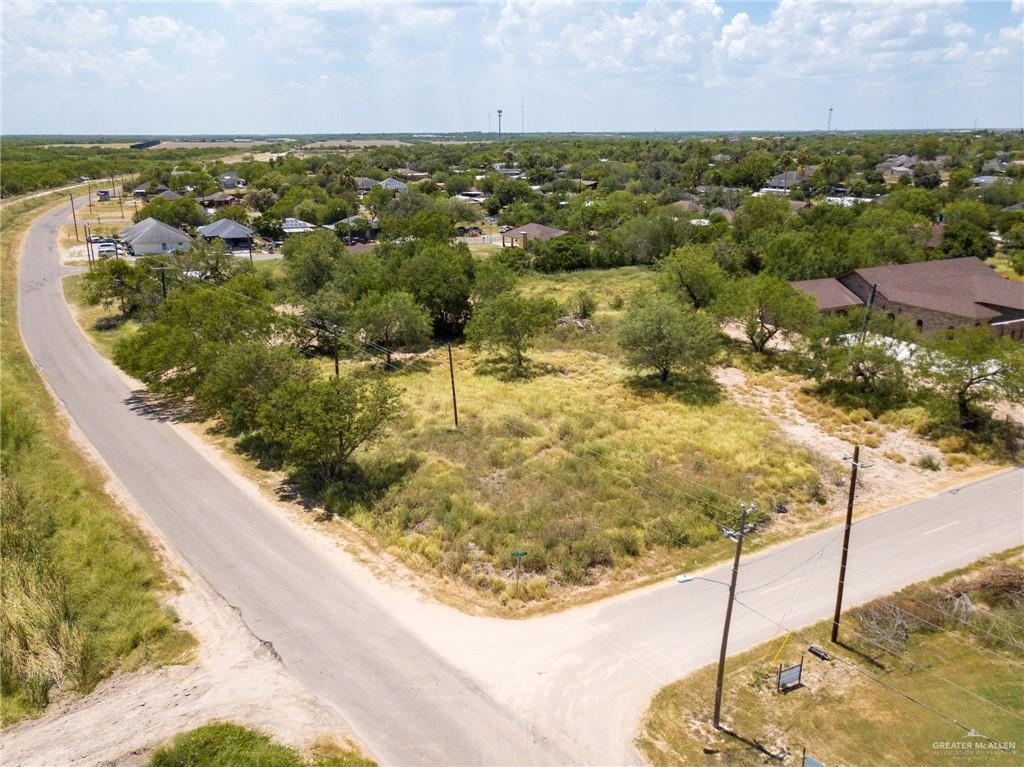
(933, 295)
(394, 185)
(168, 194)
(364, 185)
(521, 236)
(231, 180)
(152, 236)
(787, 180)
(984, 180)
(296, 226)
(217, 200)
(145, 190)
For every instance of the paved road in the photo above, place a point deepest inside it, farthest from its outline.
(420, 683)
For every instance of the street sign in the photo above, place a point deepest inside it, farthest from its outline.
(790, 677)
(519, 554)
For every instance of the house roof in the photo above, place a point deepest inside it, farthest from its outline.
(217, 197)
(297, 225)
(393, 184)
(689, 205)
(828, 293)
(964, 287)
(536, 232)
(149, 230)
(1014, 208)
(169, 194)
(364, 183)
(226, 229)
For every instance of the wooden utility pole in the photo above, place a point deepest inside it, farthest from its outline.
(846, 543)
(88, 246)
(728, 619)
(451, 373)
(74, 216)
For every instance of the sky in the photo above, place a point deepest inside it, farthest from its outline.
(231, 66)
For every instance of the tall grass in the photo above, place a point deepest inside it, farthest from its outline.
(80, 587)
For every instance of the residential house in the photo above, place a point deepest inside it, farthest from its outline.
(233, 234)
(296, 226)
(728, 214)
(364, 185)
(145, 190)
(994, 166)
(152, 236)
(688, 206)
(783, 182)
(521, 236)
(231, 180)
(394, 185)
(217, 200)
(984, 180)
(169, 194)
(932, 295)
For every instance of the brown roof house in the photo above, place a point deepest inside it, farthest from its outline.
(933, 295)
(519, 236)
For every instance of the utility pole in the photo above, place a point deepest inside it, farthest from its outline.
(74, 216)
(867, 314)
(451, 372)
(88, 246)
(846, 542)
(728, 618)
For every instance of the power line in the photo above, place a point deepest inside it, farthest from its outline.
(872, 677)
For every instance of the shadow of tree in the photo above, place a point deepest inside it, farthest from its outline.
(700, 390)
(506, 370)
(158, 407)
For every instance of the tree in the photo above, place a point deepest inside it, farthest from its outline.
(877, 365)
(760, 214)
(928, 147)
(241, 379)
(660, 334)
(319, 423)
(440, 277)
(691, 274)
(309, 260)
(391, 320)
(766, 307)
(236, 213)
(491, 278)
(560, 254)
(509, 321)
(971, 365)
(174, 352)
(261, 199)
(926, 176)
(967, 212)
(965, 240)
(173, 212)
(133, 288)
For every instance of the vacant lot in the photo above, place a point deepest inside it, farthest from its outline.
(953, 646)
(601, 477)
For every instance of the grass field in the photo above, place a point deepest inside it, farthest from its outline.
(848, 711)
(81, 587)
(230, 745)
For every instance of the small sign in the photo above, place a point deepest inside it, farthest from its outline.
(519, 554)
(789, 678)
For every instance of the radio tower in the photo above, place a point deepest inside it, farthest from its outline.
(499, 125)
(829, 128)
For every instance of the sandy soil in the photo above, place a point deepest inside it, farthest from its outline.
(234, 677)
(887, 482)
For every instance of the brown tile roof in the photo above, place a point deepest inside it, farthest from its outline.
(828, 293)
(964, 287)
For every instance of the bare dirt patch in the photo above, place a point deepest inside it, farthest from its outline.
(894, 476)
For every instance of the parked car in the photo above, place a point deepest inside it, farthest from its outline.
(106, 250)
(95, 238)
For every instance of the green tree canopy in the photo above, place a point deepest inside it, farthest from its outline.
(319, 423)
(508, 322)
(658, 333)
(972, 365)
(391, 320)
(766, 307)
(691, 274)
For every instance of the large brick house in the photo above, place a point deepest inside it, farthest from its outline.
(931, 295)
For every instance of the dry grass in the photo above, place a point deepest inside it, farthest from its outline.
(840, 714)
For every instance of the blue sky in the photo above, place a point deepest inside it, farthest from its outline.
(232, 66)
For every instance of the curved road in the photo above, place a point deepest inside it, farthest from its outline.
(420, 683)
